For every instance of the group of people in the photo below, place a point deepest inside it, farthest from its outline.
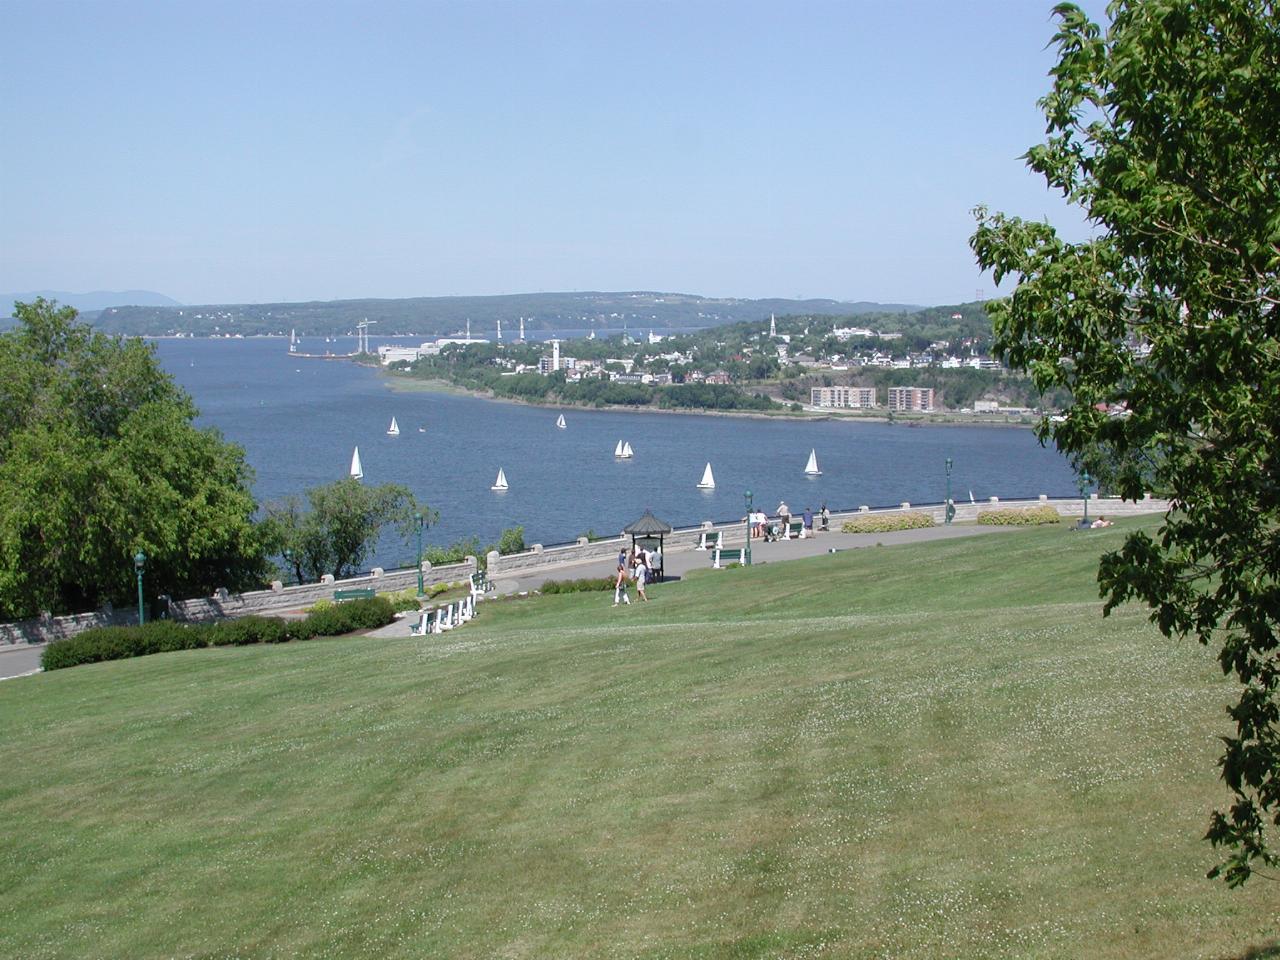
(637, 564)
(763, 530)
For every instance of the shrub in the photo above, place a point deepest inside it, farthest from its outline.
(456, 552)
(246, 631)
(583, 585)
(886, 522)
(161, 636)
(511, 541)
(1024, 516)
(340, 618)
(405, 599)
(120, 643)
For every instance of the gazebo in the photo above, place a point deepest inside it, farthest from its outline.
(648, 532)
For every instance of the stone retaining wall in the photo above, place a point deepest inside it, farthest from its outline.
(538, 558)
(280, 599)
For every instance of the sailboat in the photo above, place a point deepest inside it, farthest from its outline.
(622, 451)
(356, 470)
(627, 452)
(394, 429)
(501, 482)
(811, 468)
(708, 481)
(560, 421)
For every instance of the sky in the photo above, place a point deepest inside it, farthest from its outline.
(277, 151)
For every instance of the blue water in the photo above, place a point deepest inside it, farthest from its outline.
(299, 421)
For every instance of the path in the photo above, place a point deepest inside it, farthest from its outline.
(679, 563)
(19, 661)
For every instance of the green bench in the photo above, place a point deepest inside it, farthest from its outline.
(362, 593)
(774, 531)
(710, 540)
(722, 557)
(480, 582)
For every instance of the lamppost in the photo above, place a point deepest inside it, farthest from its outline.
(139, 562)
(950, 511)
(417, 517)
(746, 554)
(1085, 482)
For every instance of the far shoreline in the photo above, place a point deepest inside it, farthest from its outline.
(402, 384)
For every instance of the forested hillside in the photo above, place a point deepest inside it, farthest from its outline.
(434, 316)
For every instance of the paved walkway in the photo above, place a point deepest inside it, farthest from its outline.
(679, 563)
(19, 661)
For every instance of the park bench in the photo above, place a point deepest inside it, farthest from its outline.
(774, 530)
(361, 593)
(710, 540)
(723, 557)
(480, 582)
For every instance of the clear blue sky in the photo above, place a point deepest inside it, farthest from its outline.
(229, 151)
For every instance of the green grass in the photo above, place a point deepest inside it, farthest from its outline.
(927, 751)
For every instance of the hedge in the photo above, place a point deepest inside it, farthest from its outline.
(886, 522)
(120, 643)
(584, 585)
(161, 636)
(1023, 516)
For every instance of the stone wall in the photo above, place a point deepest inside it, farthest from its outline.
(538, 558)
(279, 599)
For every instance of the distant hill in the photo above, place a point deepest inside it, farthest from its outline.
(433, 316)
(86, 302)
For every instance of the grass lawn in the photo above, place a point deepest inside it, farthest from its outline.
(938, 750)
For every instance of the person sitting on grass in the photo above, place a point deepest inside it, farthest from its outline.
(1100, 523)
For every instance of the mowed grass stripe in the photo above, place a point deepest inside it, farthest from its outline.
(872, 753)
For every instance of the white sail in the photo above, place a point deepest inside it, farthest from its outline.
(560, 421)
(708, 481)
(501, 482)
(617, 451)
(626, 449)
(811, 468)
(394, 429)
(356, 470)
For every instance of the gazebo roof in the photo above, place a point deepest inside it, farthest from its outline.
(647, 526)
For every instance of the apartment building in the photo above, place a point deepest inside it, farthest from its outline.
(911, 398)
(856, 397)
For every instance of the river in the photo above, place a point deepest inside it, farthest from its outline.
(299, 420)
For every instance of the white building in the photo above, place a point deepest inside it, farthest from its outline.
(848, 397)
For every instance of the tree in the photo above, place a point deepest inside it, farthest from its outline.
(342, 526)
(1165, 328)
(100, 458)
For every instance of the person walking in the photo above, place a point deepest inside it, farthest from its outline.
(784, 514)
(642, 574)
(620, 582)
(808, 522)
(826, 518)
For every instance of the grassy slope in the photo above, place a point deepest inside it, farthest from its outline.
(938, 750)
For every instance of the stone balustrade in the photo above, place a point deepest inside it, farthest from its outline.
(280, 598)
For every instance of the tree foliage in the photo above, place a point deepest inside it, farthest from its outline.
(1164, 130)
(100, 458)
(341, 527)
